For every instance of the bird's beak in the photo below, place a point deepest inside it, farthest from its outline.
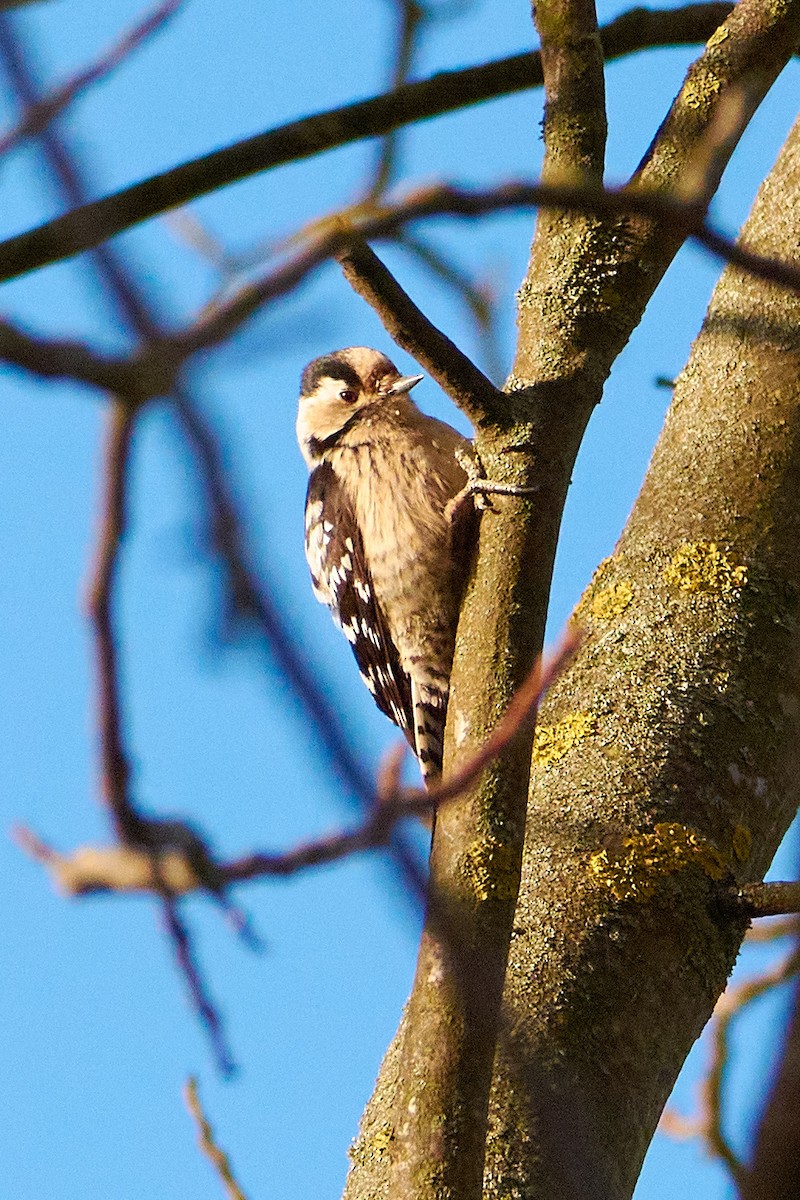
(404, 384)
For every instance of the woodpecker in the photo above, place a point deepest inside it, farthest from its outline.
(385, 552)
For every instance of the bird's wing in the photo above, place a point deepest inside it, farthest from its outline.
(341, 579)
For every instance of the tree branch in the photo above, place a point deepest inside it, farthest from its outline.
(39, 115)
(680, 769)
(339, 234)
(177, 862)
(768, 899)
(114, 759)
(58, 359)
(90, 224)
(208, 1143)
(575, 126)
(408, 326)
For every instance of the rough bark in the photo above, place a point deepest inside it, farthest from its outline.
(666, 759)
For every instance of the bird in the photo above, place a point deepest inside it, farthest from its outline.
(386, 538)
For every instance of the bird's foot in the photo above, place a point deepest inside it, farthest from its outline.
(477, 488)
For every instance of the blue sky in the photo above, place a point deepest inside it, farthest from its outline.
(98, 1036)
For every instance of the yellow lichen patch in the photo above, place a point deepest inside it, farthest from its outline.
(633, 870)
(704, 567)
(552, 742)
(718, 36)
(742, 843)
(612, 601)
(377, 1143)
(492, 868)
(698, 92)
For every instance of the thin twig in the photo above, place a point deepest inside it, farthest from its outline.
(208, 1143)
(39, 115)
(180, 870)
(114, 759)
(479, 297)
(767, 899)
(709, 1121)
(410, 19)
(206, 1011)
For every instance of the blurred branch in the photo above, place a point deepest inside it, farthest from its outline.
(208, 1143)
(39, 115)
(59, 359)
(338, 233)
(115, 767)
(774, 929)
(133, 830)
(202, 1004)
(477, 296)
(773, 1168)
(336, 236)
(708, 1123)
(181, 869)
(410, 18)
(89, 224)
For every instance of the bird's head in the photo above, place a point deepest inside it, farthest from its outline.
(338, 386)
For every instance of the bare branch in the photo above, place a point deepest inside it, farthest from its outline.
(709, 1121)
(59, 359)
(208, 1143)
(408, 326)
(772, 1171)
(177, 862)
(768, 899)
(90, 224)
(685, 220)
(410, 18)
(520, 712)
(115, 768)
(202, 1003)
(749, 49)
(477, 295)
(151, 372)
(38, 116)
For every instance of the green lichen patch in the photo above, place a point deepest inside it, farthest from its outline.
(552, 742)
(633, 869)
(698, 567)
(492, 868)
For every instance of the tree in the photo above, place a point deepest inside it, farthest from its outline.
(588, 896)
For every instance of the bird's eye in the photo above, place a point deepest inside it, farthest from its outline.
(348, 395)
